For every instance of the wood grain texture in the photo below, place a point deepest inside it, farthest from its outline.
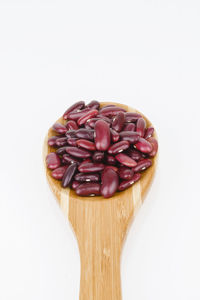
(100, 226)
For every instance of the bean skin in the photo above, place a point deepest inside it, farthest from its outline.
(127, 183)
(118, 122)
(149, 132)
(110, 182)
(118, 147)
(61, 151)
(125, 173)
(71, 125)
(154, 145)
(71, 134)
(84, 177)
(70, 159)
(114, 135)
(112, 167)
(132, 117)
(126, 160)
(102, 117)
(86, 144)
(141, 126)
(134, 154)
(130, 136)
(102, 135)
(98, 156)
(60, 142)
(60, 128)
(72, 141)
(75, 115)
(69, 174)
(86, 134)
(143, 146)
(111, 111)
(53, 161)
(142, 165)
(52, 140)
(110, 160)
(75, 184)
(93, 105)
(129, 127)
(59, 172)
(77, 106)
(88, 115)
(77, 152)
(91, 167)
(88, 189)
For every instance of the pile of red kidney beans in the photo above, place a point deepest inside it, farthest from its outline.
(100, 151)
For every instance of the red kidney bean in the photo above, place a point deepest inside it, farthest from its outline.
(69, 159)
(112, 167)
(102, 135)
(71, 134)
(110, 160)
(109, 121)
(129, 127)
(118, 147)
(60, 128)
(86, 144)
(88, 115)
(59, 172)
(69, 174)
(91, 122)
(132, 117)
(143, 146)
(114, 135)
(83, 133)
(78, 105)
(71, 125)
(98, 156)
(88, 189)
(52, 140)
(154, 145)
(125, 173)
(61, 151)
(118, 122)
(134, 154)
(53, 160)
(109, 105)
(90, 167)
(87, 160)
(75, 184)
(149, 132)
(125, 160)
(110, 182)
(111, 111)
(72, 141)
(130, 136)
(127, 183)
(75, 115)
(142, 165)
(77, 152)
(84, 177)
(61, 141)
(140, 126)
(93, 105)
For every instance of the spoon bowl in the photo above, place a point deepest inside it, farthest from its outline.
(100, 226)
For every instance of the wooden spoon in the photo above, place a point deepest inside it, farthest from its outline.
(100, 226)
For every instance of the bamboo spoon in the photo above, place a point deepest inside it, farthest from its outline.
(100, 226)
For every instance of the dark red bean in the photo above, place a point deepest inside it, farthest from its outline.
(111, 111)
(93, 104)
(110, 160)
(154, 144)
(109, 182)
(78, 105)
(98, 156)
(90, 167)
(75, 184)
(142, 165)
(53, 160)
(127, 183)
(88, 189)
(86, 144)
(69, 159)
(60, 128)
(102, 135)
(130, 136)
(118, 147)
(71, 134)
(87, 160)
(84, 177)
(61, 141)
(72, 141)
(118, 122)
(88, 115)
(134, 154)
(83, 133)
(125, 160)
(140, 126)
(149, 132)
(71, 125)
(61, 151)
(99, 116)
(112, 167)
(59, 172)
(52, 140)
(91, 122)
(75, 115)
(129, 127)
(69, 174)
(132, 117)
(114, 135)
(77, 152)
(125, 173)
(143, 146)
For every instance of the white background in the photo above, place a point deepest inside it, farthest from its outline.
(142, 53)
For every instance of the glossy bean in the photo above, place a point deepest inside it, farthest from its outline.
(69, 174)
(72, 141)
(88, 115)
(53, 160)
(84, 177)
(149, 132)
(102, 135)
(52, 140)
(125, 173)
(130, 136)
(129, 127)
(134, 154)
(75, 184)
(143, 146)
(154, 144)
(98, 156)
(59, 172)
(141, 126)
(118, 147)
(126, 160)
(112, 167)
(77, 152)
(61, 141)
(75, 115)
(114, 135)
(83, 133)
(125, 184)
(109, 182)
(111, 111)
(88, 189)
(76, 106)
(118, 122)
(71, 125)
(110, 160)
(70, 159)
(102, 117)
(131, 117)
(61, 150)
(90, 167)
(60, 128)
(142, 165)
(91, 122)
(93, 105)
(86, 144)
(71, 134)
